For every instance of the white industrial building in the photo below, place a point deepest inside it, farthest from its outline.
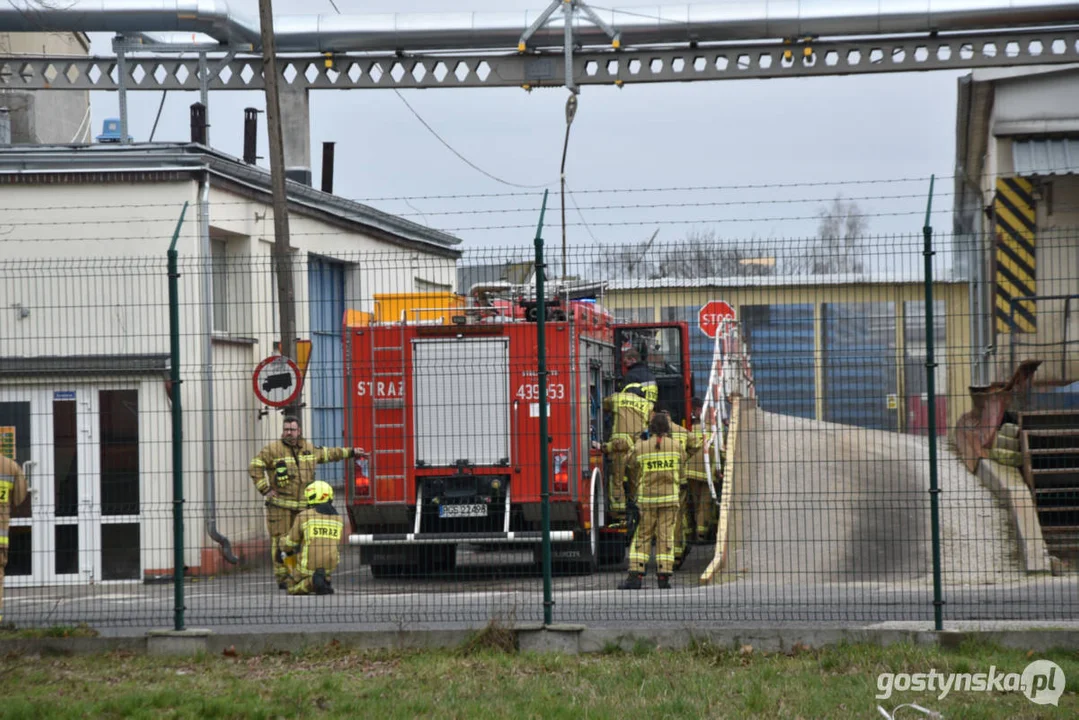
(1017, 217)
(84, 343)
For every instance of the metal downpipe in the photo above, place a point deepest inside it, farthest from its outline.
(207, 292)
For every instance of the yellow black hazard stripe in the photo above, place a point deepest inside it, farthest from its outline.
(1015, 256)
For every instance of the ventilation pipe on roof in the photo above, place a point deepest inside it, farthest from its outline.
(327, 167)
(251, 132)
(198, 123)
(459, 31)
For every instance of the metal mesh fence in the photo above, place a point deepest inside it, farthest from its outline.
(417, 388)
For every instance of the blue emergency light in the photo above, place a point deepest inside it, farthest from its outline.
(110, 131)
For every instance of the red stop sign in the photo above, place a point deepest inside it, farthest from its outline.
(712, 313)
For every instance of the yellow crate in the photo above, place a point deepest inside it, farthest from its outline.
(357, 318)
(418, 306)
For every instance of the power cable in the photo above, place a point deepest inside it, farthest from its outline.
(581, 215)
(463, 159)
(688, 188)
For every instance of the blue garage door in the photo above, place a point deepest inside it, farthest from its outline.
(325, 374)
(780, 340)
(859, 364)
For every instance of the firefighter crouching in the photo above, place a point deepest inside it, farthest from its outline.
(315, 537)
(280, 472)
(12, 493)
(654, 465)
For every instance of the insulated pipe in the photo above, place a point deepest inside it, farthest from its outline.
(654, 24)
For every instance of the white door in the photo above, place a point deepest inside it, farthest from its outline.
(46, 432)
(79, 445)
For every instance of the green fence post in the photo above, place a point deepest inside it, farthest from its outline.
(177, 431)
(541, 359)
(931, 390)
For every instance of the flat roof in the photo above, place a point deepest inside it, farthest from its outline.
(29, 160)
(772, 281)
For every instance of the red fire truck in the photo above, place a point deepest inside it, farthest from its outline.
(448, 409)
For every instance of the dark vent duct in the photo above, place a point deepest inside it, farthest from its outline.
(327, 167)
(198, 123)
(251, 132)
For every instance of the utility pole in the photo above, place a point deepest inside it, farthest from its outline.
(282, 256)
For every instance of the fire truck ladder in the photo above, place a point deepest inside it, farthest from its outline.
(731, 373)
(384, 410)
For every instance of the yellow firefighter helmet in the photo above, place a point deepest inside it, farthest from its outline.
(318, 492)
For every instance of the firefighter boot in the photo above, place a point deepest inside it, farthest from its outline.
(321, 584)
(681, 557)
(632, 582)
(664, 582)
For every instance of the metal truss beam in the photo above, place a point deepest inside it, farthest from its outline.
(319, 72)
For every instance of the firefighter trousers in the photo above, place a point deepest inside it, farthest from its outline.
(680, 530)
(303, 585)
(704, 508)
(616, 490)
(657, 524)
(278, 522)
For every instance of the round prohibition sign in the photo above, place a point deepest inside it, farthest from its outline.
(277, 381)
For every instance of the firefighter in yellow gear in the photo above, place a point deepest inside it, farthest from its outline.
(630, 417)
(691, 445)
(703, 517)
(704, 509)
(315, 537)
(654, 466)
(280, 472)
(13, 491)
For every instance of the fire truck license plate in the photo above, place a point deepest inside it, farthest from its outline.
(449, 511)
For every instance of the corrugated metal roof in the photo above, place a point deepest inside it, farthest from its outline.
(771, 281)
(1056, 156)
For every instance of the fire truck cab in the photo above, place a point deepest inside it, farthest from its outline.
(446, 403)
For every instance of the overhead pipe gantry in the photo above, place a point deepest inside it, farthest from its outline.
(578, 46)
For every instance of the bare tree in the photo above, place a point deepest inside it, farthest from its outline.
(703, 254)
(627, 261)
(838, 246)
(699, 254)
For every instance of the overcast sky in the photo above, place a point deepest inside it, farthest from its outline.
(716, 134)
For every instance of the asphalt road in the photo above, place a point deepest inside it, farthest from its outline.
(831, 529)
(471, 596)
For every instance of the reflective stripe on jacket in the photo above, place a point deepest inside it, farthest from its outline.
(13, 491)
(656, 469)
(695, 464)
(317, 531)
(297, 470)
(690, 444)
(630, 414)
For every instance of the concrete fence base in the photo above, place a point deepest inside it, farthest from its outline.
(565, 639)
